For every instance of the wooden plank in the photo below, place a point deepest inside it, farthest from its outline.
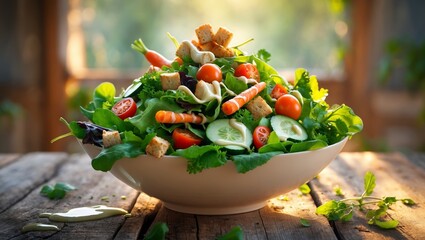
(280, 219)
(6, 158)
(283, 219)
(180, 225)
(395, 176)
(92, 187)
(26, 173)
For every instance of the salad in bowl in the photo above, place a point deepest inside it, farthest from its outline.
(212, 108)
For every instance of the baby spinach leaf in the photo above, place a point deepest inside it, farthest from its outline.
(58, 191)
(247, 162)
(108, 156)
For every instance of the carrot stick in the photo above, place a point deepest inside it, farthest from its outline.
(153, 57)
(173, 117)
(234, 104)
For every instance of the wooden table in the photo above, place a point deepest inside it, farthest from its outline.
(23, 175)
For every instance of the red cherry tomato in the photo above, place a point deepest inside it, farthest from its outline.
(209, 72)
(125, 108)
(184, 138)
(247, 70)
(289, 106)
(260, 136)
(278, 91)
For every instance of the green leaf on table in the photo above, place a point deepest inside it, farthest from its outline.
(408, 201)
(338, 191)
(235, 233)
(305, 222)
(390, 224)
(158, 232)
(304, 189)
(369, 183)
(58, 191)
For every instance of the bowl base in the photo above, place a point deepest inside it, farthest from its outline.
(214, 210)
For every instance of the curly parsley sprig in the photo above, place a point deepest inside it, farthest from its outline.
(343, 209)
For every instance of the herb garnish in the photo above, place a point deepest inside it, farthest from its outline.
(58, 191)
(343, 209)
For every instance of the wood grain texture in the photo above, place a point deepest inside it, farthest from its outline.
(93, 188)
(395, 176)
(6, 158)
(25, 174)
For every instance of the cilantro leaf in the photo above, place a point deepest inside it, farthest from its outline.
(341, 210)
(369, 183)
(264, 55)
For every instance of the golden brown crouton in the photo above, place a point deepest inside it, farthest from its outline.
(223, 37)
(220, 51)
(205, 33)
(157, 147)
(206, 46)
(183, 51)
(170, 81)
(259, 107)
(110, 138)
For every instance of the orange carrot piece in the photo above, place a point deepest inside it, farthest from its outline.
(173, 117)
(234, 104)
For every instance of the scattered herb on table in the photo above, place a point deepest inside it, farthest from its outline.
(305, 222)
(338, 191)
(158, 231)
(234, 234)
(343, 209)
(304, 189)
(58, 191)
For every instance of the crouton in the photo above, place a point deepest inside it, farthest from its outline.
(223, 37)
(206, 46)
(204, 33)
(183, 50)
(110, 138)
(170, 81)
(259, 107)
(220, 51)
(157, 147)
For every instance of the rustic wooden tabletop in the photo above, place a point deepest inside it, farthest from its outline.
(23, 175)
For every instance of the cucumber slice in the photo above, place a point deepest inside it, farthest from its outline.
(229, 133)
(286, 128)
(264, 122)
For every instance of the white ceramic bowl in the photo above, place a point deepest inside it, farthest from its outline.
(219, 190)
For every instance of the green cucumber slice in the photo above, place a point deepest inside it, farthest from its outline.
(229, 133)
(287, 128)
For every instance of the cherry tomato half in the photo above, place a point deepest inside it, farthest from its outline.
(247, 70)
(260, 136)
(184, 138)
(125, 108)
(209, 72)
(278, 91)
(289, 106)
